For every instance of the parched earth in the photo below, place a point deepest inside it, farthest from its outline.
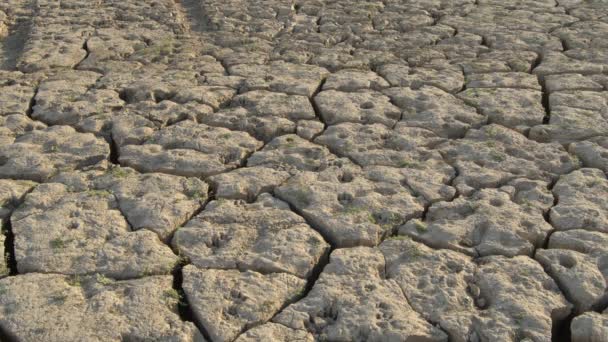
(304, 170)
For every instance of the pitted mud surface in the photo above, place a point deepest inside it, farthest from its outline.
(290, 170)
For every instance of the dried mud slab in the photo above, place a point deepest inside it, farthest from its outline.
(263, 114)
(15, 125)
(581, 203)
(494, 155)
(514, 80)
(514, 108)
(264, 236)
(39, 154)
(36, 305)
(354, 80)
(271, 166)
(590, 327)
(60, 231)
(275, 332)
(359, 107)
(494, 298)
(15, 99)
(353, 301)
(576, 260)
(190, 149)
(449, 79)
(279, 76)
(351, 206)
(503, 221)
(12, 193)
(592, 152)
(576, 115)
(406, 151)
(228, 302)
(436, 110)
(154, 201)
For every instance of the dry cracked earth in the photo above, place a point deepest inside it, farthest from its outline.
(292, 170)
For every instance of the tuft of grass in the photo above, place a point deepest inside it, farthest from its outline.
(197, 194)
(59, 243)
(118, 172)
(266, 306)
(420, 226)
(497, 156)
(103, 280)
(352, 210)
(74, 280)
(175, 295)
(492, 132)
(59, 299)
(410, 164)
(413, 252)
(594, 182)
(398, 237)
(575, 160)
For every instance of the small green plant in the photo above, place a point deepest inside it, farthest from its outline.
(353, 210)
(595, 181)
(420, 226)
(59, 243)
(266, 306)
(490, 143)
(398, 237)
(3, 290)
(197, 194)
(175, 295)
(410, 164)
(59, 299)
(74, 280)
(225, 136)
(497, 156)
(413, 251)
(103, 280)
(492, 132)
(575, 160)
(118, 172)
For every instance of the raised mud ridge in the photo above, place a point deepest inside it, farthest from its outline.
(291, 170)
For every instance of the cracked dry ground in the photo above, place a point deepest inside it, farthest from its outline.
(293, 170)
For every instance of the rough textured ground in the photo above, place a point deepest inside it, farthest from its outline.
(304, 170)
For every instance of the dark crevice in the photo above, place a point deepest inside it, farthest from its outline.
(9, 248)
(86, 49)
(32, 103)
(5, 336)
(314, 104)
(114, 154)
(545, 101)
(560, 331)
(184, 310)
